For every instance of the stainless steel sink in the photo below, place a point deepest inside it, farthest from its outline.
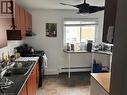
(16, 71)
(20, 68)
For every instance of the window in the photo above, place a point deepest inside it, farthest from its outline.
(79, 31)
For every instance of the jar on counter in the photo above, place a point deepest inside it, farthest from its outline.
(89, 45)
(72, 47)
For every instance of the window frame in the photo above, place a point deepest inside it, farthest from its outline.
(81, 20)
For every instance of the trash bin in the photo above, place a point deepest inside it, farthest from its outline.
(97, 68)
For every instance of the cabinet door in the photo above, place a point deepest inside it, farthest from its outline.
(35, 80)
(22, 17)
(22, 22)
(29, 86)
(37, 75)
(23, 91)
(31, 83)
(18, 21)
(28, 21)
(17, 17)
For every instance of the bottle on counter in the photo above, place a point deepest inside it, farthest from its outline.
(6, 59)
(68, 47)
(17, 54)
(12, 58)
(72, 47)
(15, 51)
(3, 58)
(9, 58)
(77, 47)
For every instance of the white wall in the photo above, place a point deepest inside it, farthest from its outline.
(10, 47)
(4, 25)
(54, 46)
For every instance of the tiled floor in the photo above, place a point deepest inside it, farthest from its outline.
(79, 84)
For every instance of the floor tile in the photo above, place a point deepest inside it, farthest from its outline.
(78, 84)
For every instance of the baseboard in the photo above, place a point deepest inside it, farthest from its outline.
(56, 71)
(51, 72)
(76, 69)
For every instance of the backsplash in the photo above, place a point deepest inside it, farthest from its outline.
(10, 47)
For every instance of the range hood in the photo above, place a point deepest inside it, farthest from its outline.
(30, 33)
(17, 35)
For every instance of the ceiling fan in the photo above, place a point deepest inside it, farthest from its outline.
(86, 8)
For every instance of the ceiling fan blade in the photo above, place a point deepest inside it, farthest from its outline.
(86, 8)
(93, 9)
(67, 4)
(82, 11)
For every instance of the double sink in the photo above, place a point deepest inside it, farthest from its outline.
(15, 69)
(19, 68)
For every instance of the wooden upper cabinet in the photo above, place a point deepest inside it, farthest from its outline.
(17, 17)
(22, 17)
(22, 20)
(28, 21)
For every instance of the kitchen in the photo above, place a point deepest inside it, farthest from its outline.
(53, 47)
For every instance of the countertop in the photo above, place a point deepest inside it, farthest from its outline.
(84, 51)
(103, 79)
(19, 81)
(27, 59)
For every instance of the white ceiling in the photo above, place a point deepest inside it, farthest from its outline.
(54, 4)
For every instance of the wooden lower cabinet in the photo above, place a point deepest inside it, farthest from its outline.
(30, 87)
(24, 90)
(37, 75)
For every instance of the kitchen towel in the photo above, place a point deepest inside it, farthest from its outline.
(45, 61)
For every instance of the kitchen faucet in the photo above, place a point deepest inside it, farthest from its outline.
(5, 82)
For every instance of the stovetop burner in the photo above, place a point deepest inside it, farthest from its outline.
(5, 83)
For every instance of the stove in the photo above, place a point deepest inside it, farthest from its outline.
(26, 54)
